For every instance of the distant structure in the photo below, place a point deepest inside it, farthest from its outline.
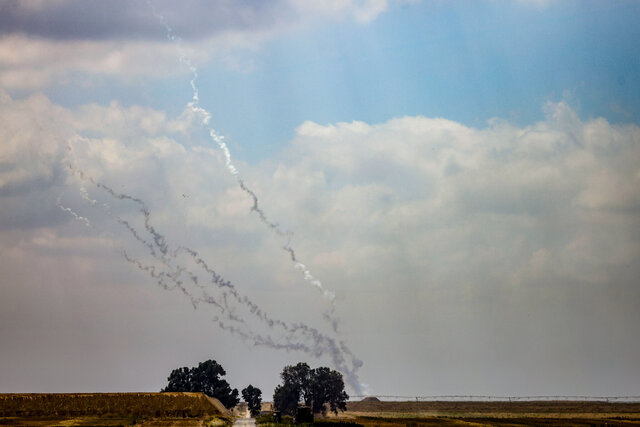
(266, 408)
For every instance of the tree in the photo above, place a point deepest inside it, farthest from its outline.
(204, 378)
(285, 399)
(315, 387)
(327, 387)
(298, 377)
(253, 396)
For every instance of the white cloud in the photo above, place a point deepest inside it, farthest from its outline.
(31, 63)
(33, 134)
(538, 3)
(36, 56)
(411, 180)
(361, 11)
(416, 181)
(426, 226)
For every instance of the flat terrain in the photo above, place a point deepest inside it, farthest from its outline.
(523, 413)
(195, 409)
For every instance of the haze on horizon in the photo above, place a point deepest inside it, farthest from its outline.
(463, 176)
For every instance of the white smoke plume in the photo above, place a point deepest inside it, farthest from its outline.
(177, 267)
(205, 117)
(182, 268)
(74, 214)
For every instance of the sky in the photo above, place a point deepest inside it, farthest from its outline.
(434, 197)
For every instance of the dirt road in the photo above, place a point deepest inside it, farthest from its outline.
(245, 421)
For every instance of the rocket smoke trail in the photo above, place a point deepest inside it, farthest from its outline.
(219, 140)
(72, 213)
(182, 268)
(171, 275)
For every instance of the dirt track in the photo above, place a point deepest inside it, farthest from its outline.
(245, 420)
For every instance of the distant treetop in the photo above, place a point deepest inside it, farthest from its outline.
(204, 378)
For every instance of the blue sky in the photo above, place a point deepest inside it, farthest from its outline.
(466, 61)
(457, 180)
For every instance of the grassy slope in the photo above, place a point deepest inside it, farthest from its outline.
(111, 409)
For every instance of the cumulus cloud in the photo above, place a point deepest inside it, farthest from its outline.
(33, 134)
(121, 19)
(474, 242)
(479, 192)
(31, 63)
(485, 194)
(126, 20)
(46, 42)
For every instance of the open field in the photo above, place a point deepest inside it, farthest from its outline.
(195, 409)
(523, 413)
(108, 421)
(112, 409)
(518, 407)
(520, 421)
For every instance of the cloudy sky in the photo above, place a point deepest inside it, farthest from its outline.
(435, 197)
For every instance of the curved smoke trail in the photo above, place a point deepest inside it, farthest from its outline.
(72, 213)
(172, 273)
(219, 140)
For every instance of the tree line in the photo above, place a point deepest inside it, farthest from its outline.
(320, 389)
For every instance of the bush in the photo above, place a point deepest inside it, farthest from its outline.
(266, 420)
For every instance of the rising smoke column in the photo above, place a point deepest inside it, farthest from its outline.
(219, 140)
(182, 268)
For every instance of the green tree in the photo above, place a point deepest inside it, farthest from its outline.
(285, 399)
(298, 377)
(204, 378)
(317, 388)
(253, 396)
(327, 387)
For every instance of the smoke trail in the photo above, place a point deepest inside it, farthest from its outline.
(219, 140)
(308, 276)
(75, 215)
(297, 334)
(170, 270)
(171, 275)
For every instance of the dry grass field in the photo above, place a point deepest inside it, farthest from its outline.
(112, 409)
(524, 413)
(195, 409)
